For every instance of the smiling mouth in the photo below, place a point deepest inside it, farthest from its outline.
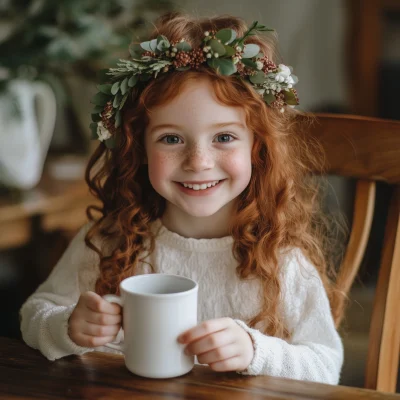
(202, 186)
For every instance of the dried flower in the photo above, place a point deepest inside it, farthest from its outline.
(102, 132)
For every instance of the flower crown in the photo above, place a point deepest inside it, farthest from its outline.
(222, 51)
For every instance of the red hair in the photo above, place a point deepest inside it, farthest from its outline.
(278, 210)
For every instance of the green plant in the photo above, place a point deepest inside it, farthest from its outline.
(41, 36)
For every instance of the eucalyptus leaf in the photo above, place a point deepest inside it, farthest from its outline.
(133, 80)
(222, 65)
(162, 43)
(118, 119)
(106, 89)
(162, 37)
(290, 98)
(123, 101)
(250, 50)
(124, 86)
(257, 78)
(97, 110)
(249, 63)
(183, 46)
(229, 51)
(153, 45)
(226, 35)
(269, 98)
(117, 100)
(162, 46)
(96, 117)
(217, 47)
(146, 46)
(100, 99)
(115, 88)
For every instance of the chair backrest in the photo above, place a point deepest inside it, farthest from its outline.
(368, 149)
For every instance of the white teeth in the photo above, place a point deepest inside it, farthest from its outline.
(200, 187)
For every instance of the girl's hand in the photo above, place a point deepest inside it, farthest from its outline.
(221, 343)
(94, 321)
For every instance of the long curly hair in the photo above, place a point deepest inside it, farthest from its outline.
(280, 209)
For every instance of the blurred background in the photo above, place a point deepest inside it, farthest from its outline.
(346, 54)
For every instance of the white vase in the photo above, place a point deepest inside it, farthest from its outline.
(25, 138)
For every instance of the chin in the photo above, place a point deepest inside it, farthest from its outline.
(201, 212)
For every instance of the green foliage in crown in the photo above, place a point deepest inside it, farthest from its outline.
(222, 51)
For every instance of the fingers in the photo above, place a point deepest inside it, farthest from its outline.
(210, 342)
(94, 321)
(231, 364)
(218, 354)
(204, 329)
(220, 343)
(97, 304)
(100, 330)
(103, 319)
(91, 341)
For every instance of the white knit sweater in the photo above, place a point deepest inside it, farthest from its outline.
(314, 351)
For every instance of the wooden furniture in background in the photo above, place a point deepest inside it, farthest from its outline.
(26, 374)
(52, 205)
(364, 49)
(368, 149)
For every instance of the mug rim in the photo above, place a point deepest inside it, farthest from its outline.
(159, 295)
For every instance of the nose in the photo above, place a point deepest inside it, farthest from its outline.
(198, 159)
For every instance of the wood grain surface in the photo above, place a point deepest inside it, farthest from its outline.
(26, 374)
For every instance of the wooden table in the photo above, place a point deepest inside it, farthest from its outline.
(52, 205)
(26, 374)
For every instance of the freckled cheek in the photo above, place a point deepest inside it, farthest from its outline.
(160, 166)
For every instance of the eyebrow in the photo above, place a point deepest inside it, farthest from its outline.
(213, 126)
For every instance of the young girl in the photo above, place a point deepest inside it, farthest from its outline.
(202, 172)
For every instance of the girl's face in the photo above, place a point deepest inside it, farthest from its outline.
(198, 152)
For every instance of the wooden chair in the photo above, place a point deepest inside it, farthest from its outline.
(368, 149)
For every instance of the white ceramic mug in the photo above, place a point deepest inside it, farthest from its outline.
(157, 308)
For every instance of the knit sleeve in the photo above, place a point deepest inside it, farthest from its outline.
(44, 316)
(314, 351)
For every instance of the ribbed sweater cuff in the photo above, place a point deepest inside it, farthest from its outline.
(58, 329)
(260, 352)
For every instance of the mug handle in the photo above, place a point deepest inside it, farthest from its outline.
(118, 300)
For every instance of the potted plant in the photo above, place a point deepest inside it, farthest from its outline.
(42, 43)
